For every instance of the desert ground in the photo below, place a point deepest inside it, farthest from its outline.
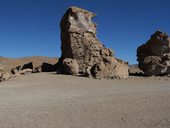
(48, 100)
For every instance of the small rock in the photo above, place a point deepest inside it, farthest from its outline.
(37, 69)
(71, 66)
(6, 76)
(26, 71)
(15, 72)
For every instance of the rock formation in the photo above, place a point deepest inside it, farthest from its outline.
(79, 42)
(154, 56)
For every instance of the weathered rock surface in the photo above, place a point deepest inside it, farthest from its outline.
(5, 76)
(37, 69)
(110, 68)
(1, 71)
(79, 42)
(1, 75)
(23, 69)
(26, 71)
(71, 66)
(15, 72)
(154, 56)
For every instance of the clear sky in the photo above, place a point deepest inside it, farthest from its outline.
(31, 27)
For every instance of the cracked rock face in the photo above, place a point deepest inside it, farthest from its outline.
(79, 41)
(154, 56)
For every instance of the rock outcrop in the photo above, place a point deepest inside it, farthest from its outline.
(154, 56)
(79, 42)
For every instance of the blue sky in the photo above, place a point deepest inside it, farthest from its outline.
(31, 27)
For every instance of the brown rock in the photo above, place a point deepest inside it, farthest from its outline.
(154, 56)
(110, 68)
(105, 69)
(37, 69)
(15, 72)
(26, 71)
(1, 71)
(121, 70)
(1, 75)
(5, 76)
(79, 42)
(71, 66)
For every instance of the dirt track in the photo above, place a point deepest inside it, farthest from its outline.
(47, 100)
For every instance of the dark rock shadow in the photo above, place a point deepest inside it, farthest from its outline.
(28, 66)
(46, 67)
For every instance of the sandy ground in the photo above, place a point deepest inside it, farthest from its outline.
(47, 100)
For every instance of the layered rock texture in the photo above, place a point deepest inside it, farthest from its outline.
(79, 42)
(154, 56)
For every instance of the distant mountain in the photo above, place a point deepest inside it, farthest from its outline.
(133, 66)
(8, 63)
(134, 69)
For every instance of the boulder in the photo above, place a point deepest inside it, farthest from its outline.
(24, 66)
(47, 67)
(28, 66)
(23, 69)
(15, 72)
(71, 66)
(1, 71)
(110, 68)
(79, 42)
(154, 56)
(1, 75)
(5, 76)
(26, 71)
(37, 69)
(121, 70)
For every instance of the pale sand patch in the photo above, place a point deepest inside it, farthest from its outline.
(47, 100)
